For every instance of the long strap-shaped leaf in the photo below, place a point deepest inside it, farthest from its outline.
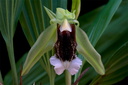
(116, 68)
(34, 18)
(85, 48)
(101, 22)
(108, 45)
(44, 43)
(9, 14)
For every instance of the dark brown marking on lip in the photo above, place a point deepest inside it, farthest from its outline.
(65, 47)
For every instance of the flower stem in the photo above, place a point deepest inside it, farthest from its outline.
(51, 81)
(10, 50)
(67, 78)
(52, 76)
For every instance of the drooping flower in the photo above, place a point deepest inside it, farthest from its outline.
(65, 36)
(65, 47)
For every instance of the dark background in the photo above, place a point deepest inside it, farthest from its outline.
(21, 45)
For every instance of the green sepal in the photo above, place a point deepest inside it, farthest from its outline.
(85, 48)
(50, 13)
(76, 5)
(44, 43)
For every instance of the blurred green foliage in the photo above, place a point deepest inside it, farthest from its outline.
(106, 26)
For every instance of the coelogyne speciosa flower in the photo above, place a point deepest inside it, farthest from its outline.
(65, 37)
(65, 49)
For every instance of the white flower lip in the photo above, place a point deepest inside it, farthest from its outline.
(65, 26)
(59, 66)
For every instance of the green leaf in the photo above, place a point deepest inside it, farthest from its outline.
(95, 29)
(34, 19)
(59, 3)
(33, 76)
(116, 68)
(101, 22)
(112, 39)
(87, 19)
(85, 48)
(9, 14)
(116, 32)
(121, 59)
(44, 43)
(76, 5)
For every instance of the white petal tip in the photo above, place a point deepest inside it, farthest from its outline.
(58, 67)
(75, 66)
(59, 71)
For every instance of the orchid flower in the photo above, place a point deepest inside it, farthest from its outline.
(65, 37)
(65, 47)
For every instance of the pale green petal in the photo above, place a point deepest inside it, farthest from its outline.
(85, 48)
(44, 43)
